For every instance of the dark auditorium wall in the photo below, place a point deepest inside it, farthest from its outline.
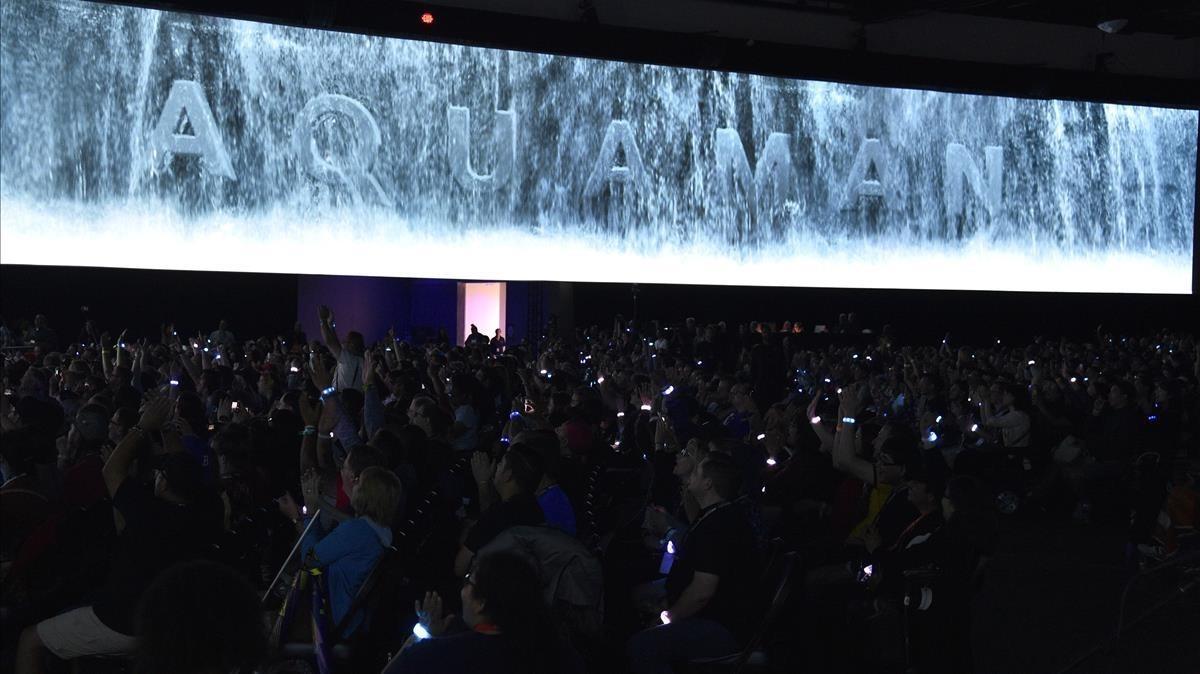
(372, 305)
(141, 299)
(269, 303)
(917, 315)
(416, 308)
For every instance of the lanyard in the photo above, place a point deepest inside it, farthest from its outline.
(705, 516)
(907, 531)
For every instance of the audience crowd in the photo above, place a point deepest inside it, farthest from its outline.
(639, 497)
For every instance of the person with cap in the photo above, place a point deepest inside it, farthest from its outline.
(174, 521)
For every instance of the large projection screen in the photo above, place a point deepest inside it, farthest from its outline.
(140, 138)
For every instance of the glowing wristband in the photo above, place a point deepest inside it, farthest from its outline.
(328, 392)
(849, 420)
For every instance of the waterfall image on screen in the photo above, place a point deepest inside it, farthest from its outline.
(139, 138)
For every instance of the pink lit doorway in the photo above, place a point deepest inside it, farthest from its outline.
(481, 305)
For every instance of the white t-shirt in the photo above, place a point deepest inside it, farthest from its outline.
(1015, 427)
(349, 372)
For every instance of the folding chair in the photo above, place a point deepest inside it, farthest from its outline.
(753, 656)
(330, 644)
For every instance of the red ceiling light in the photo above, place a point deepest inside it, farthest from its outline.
(427, 18)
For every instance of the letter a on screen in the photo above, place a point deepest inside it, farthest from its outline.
(186, 100)
(859, 184)
(618, 136)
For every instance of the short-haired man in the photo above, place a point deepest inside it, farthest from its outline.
(516, 479)
(710, 588)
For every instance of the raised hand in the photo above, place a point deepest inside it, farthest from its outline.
(329, 418)
(369, 365)
(155, 413)
(811, 411)
(224, 409)
(310, 486)
(430, 614)
(324, 314)
(321, 376)
(310, 411)
(853, 399)
(482, 467)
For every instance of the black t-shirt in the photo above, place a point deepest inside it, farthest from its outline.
(157, 534)
(722, 543)
(522, 509)
(472, 653)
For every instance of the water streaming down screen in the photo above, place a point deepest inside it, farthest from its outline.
(138, 138)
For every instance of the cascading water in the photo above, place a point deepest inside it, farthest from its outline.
(354, 154)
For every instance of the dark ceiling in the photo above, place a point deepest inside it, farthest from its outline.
(1172, 17)
(1032, 48)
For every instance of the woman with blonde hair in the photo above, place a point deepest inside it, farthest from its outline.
(347, 554)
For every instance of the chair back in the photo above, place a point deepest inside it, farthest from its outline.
(364, 601)
(780, 583)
